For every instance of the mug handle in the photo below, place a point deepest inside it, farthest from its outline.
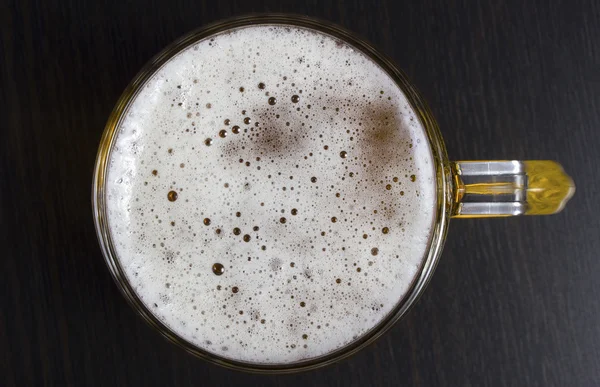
(485, 189)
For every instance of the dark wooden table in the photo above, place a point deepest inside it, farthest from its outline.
(514, 302)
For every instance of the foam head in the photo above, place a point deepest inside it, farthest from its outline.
(270, 194)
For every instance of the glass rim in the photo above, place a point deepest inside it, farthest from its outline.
(437, 148)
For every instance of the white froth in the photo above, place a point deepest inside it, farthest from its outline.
(303, 294)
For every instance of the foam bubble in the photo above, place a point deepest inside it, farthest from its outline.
(295, 232)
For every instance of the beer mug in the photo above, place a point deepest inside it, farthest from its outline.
(463, 189)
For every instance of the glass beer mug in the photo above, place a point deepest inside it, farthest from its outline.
(463, 189)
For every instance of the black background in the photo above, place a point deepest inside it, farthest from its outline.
(514, 302)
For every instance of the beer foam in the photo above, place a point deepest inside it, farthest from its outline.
(270, 194)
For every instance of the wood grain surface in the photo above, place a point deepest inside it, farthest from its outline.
(514, 302)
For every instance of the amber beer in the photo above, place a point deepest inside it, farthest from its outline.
(270, 194)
